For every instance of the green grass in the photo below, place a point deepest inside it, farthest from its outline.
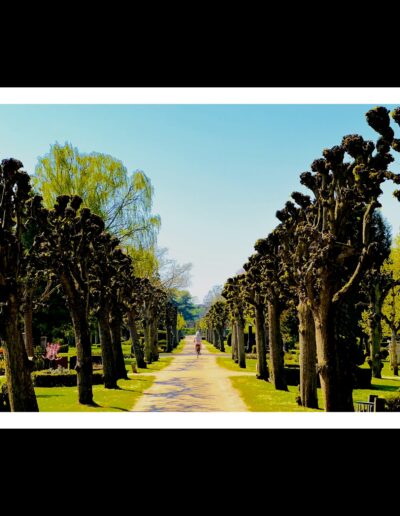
(65, 399)
(212, 349)
(261, 396)
(228, 363)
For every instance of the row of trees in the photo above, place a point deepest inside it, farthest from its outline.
(328, 257)
(96, 261)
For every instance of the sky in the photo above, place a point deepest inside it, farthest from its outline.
(220, 172)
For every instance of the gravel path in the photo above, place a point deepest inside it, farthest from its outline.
(191, 384)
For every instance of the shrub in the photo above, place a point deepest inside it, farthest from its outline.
(229, 339)
(61, 377)
(392, 404)
(254, 350)
(384, 353)
(4, 399)
(39, 363)
(251, 355)
(2, 366)
(292, 374)
(362, 378)
(162, 343)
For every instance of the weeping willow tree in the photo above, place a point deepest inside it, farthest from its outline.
(123, 200)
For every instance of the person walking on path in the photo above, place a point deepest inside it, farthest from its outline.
(197, 342)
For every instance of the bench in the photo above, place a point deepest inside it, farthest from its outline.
(374, 404)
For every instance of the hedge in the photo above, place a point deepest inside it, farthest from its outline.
(362, 377)
(66, 379)
(162, 344)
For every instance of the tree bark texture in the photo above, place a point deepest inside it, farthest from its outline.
(277, 370)
(393, 353)
(335, 383)
(115, 326)
(137, 348)
(28, 316)
(234, 342)
(240, 343)
(18, 368)
(308, 357)
(261, 345)
(109, 365)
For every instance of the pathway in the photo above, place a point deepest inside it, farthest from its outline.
(191, 384)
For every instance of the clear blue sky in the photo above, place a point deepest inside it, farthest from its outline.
(220, 172)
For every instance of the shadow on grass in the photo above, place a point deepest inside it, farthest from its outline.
(391, 388)
(49, 395)
(119, 408)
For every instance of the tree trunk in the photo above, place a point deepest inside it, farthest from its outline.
(308, 357)
(393, 354)
(262, 366)
(147, 341)
(176, 337)
(216, 338)
(18, 367)
(84, 368)
(337, 392)
(115, 326)
(277, 371)
(170, 339)
(240, 343)
(137, 348)
(109, 365)
(234, 342)
(375, 327)
(221, 339)
(154, 339)
(28, 316)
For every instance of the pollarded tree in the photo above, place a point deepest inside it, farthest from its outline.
(338, 242)
(170, 325)
(65, 246)
(290, 216)
(134, 299)
(218, 315)
(275, 289)
(123, 271)
(154, 305)
(15, 192)
(255, 296)
(101, 274)
(236, 307)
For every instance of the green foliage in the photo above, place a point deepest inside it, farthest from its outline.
(184, 302)
(181, 323)
(392, 403)
(106, 188)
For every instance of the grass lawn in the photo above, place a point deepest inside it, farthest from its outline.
(212, 349)
(65, 399)
(260, 396)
